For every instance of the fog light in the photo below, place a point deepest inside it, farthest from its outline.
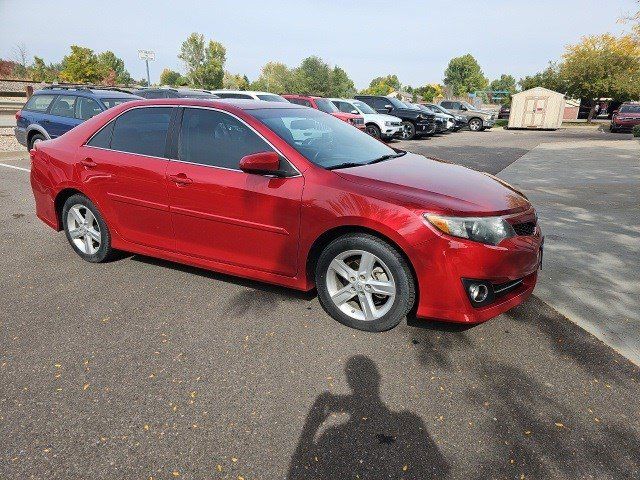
(478, 292)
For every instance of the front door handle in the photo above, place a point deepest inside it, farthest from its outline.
(180, 179)
(87, 162)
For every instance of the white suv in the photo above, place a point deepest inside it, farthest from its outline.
(249, 95)
(377, 125)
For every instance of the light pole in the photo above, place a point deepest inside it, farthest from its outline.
(147, 55)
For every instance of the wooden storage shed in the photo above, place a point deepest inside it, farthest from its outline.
(537, 108)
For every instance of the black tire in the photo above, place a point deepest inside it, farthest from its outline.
(612, 129)
(408, 131)
(405, 290)
(35, 137)
(104, 251)
(373, 130)
(475, 124)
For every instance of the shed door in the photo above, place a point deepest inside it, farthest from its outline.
(534, 111)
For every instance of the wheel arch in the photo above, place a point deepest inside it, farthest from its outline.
(328, 236)
(59, 200)
(33, 129)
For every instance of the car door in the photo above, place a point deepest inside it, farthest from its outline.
(86, 108)
(124, 170)
(223, 214)
(61, 116)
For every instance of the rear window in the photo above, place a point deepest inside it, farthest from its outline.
(630, 109)
(112, 102)
(39, 103)
(233, 95)
(325, 105)
(272, 98)
(142, 131)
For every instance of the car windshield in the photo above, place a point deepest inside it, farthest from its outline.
(363, 107)
(438, 108)
(112, 102)
(396, 103)
(469, 106)
(325, 105)
(630, 109)
(324, 139)
(272, 98)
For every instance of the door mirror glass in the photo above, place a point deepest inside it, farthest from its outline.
(388, 107)
(262, 163)
(463, 108)
(355, 112)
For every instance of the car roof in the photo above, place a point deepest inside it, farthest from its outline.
(223, 104)
(84, 92)
(245, 92)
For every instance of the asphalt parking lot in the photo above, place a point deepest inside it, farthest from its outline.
(140, 368)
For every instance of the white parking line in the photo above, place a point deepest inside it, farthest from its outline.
(13, 166)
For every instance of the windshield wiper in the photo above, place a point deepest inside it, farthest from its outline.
(386, 157)
(345, 165)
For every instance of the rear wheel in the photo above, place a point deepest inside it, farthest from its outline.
(475, 124)
(364, 283)
(373, 130)
(35, 138)
(408, 131)
(86, 230)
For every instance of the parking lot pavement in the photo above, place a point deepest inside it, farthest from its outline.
(588, 199)
(140, 368)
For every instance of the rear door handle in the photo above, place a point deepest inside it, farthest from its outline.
(87, 162)
(180, 179)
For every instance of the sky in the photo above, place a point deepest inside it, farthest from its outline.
(412, 39)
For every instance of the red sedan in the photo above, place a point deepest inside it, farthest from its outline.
(327, 106)
(292, 196)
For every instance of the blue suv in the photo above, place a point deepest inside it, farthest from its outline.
(55, 110)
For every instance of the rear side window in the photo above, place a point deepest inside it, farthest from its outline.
(112, 102)
(86, 108)
(39, 103)
(447, 105)
(142, 131)
(300, 101)
(102, 139)
(209, 137)
(271, 98)
(64, 106)
(380, 103)
(344, 107)
(234, 95)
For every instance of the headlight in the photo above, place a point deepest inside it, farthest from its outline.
(491, 230)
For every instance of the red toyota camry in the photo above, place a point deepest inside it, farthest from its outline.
(292, 196)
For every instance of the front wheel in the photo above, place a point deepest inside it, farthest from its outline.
(373, 130)
(364, 283)
(86, 230)
(408, 131)
(475, 124)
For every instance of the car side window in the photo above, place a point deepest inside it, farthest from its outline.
(87, 108)
(64, 106)
(102, 139)
(39, 103)
(379, 103)
(142, 131)
(447, 105)
(300, 101)
(344, 107)
(210, 137)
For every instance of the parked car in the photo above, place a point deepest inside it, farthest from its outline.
(458, 120)
(249, 95)
(626, 117)
(325, 105)
(378, 125)
(55, 110)
(504, 112)
(309, 202)
(415, 122)
(477, 119)
(165, 92)
(444, 123)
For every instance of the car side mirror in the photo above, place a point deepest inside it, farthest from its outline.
(355, 112)
(463, 108)
(388, 107)
(261, 163)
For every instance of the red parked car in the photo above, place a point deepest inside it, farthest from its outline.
(327, 106)
(626, 117)
(291, 196)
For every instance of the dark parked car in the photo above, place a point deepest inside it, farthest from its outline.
(174, 93)
(55, 110)
(415, 122)
(504, 112)
(459, 120)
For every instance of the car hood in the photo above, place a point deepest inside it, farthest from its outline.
(439, 186)
(385, 118)
(345, 116)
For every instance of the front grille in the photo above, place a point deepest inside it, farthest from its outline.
(526, 228)
(396, 124)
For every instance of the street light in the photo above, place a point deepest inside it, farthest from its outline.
(147, 55)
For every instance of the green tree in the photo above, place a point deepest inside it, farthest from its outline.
(39, 71)
(505, 82)
(170, 77)
(233, 81)
(110, 62)
(464, 75)
(204, 62)
(340, 83)
(602, 66)
(82, 66)
(430, 92)
(548, 78)
(313, 76)
(275, 77)
(383, 85)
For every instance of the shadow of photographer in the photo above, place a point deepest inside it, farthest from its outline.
(358, 436)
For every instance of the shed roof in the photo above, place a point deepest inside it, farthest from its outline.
(538, 89)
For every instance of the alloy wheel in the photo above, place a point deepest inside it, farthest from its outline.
(475, 125)
(361, 285)
(84, 229)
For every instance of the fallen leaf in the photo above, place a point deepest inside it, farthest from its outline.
(85, 386)
(175, 473)
(559, 425)
(219, 467)
(234, 459)
(404, 469)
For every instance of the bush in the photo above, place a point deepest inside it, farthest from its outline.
(636, 131)
(502, 122)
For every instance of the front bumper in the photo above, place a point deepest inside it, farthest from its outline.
(625, 125)
(21, 135)
(442, 291)
(425, 128)
(488, 123)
